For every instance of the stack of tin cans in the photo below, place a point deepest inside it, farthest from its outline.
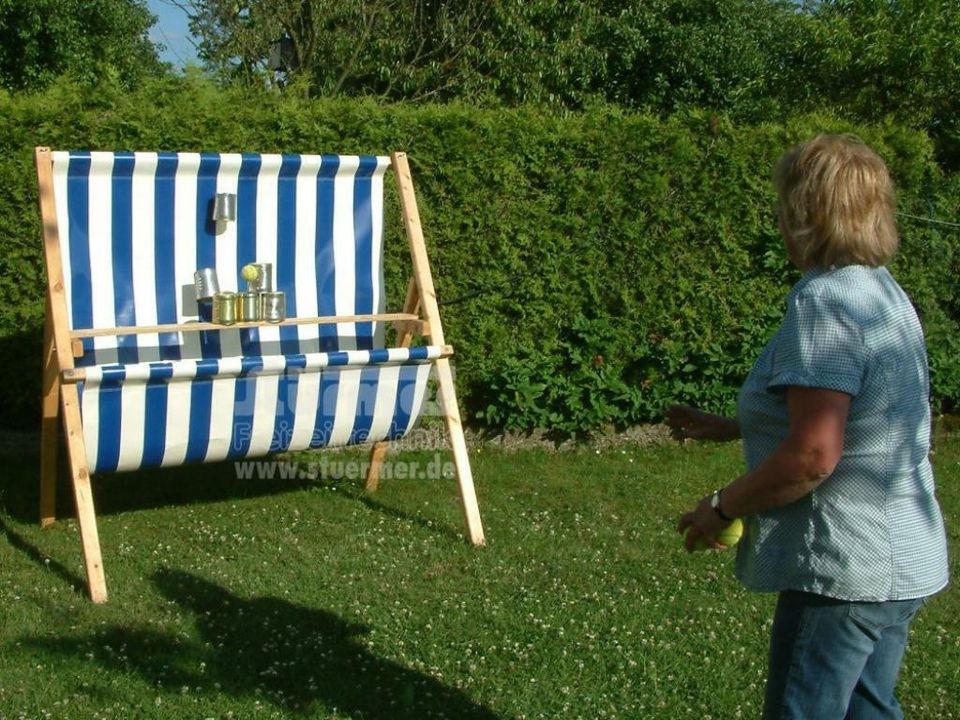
(261, 301)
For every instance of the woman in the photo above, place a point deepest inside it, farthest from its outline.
(838, 499)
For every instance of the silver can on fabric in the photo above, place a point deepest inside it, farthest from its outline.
(264, 279)
(225, 308)
(273, 306)
(225, 207)
(205, 283)
(248, 306)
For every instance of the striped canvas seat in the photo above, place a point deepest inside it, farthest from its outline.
(133, 228)
(172, 413)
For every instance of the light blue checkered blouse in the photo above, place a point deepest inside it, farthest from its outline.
(873, 529)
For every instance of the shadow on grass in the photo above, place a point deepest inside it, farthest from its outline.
(365, 498)
(271, 650)
(18, 542)
(140, 490)
(20, 486)
(21, 371)
(167, 487)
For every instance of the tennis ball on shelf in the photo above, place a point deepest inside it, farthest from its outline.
(250, 272)
(729, 536)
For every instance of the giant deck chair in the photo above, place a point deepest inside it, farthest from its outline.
(140, 381)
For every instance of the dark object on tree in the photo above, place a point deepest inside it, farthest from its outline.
(281, 55)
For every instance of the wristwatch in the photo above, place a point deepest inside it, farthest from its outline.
(715, 504)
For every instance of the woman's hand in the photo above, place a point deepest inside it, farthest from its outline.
(703, 522)
(688, 422)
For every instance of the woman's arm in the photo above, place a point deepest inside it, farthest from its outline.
(803, 460)
(688, 422)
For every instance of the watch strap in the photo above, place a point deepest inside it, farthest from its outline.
(715, 504)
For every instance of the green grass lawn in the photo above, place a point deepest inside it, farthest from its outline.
(307, 598)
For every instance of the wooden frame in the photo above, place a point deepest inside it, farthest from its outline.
(422, 295)
(60, 398)
(58, 357)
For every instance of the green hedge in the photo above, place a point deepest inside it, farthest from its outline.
(626, 262)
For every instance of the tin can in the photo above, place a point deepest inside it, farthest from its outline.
(205, 283)
(273, 306)
(225, 207)
(248, 306)
(264, 281)
(225, 308)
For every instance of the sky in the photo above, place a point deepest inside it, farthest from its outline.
(171, 30)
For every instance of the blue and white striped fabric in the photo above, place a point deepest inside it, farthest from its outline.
(134, 227)
(263, 365)
(132, 423)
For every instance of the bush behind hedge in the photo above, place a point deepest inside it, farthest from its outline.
(594, 267)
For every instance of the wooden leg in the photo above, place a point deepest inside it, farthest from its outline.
(468, 495)
(428, 299)
(49, 427)
(83, 494)
(376, 460)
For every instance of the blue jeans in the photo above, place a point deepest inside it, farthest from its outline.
(834, 659)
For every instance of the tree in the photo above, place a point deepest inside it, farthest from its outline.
(754, 60)
(660, 54)
(726, 55)
(415, 49)
(872, 59)
(42, 39)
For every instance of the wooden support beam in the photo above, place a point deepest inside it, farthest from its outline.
(69, 397)
(49, 425)
(461, 460)
(83, 495)
(411, 328)
(428, 300)
(377, 455)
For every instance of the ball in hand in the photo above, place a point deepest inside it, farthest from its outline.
(729, 536)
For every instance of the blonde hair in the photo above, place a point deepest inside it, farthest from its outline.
(836, 203)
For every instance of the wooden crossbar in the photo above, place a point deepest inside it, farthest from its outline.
(402, 323)
(204, 326)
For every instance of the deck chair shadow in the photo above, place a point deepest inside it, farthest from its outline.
(139, 380)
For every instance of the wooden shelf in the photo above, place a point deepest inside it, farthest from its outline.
(199, 326)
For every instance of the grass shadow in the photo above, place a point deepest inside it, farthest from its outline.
(364, 497)
(20, 487)
(140, 490)
(187, 485)
(21, 371)
(19, 543)
(179, 486)
(268, 649)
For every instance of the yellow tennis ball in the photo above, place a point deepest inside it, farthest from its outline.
(729, 536)
(250, 272)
